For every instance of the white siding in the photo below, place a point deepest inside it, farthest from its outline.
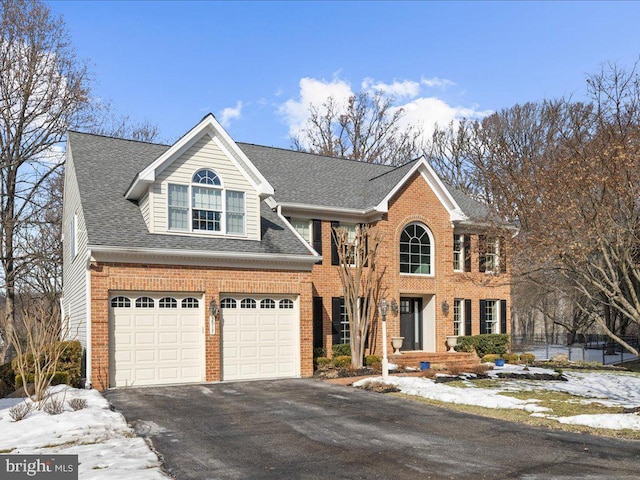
(205, 153)
(74, 279)
(145, 209)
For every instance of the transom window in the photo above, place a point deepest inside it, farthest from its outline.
(415, 250)
(168, 302)
(205, 206)
(267, 303)
(248, 303)
(120, 302)
(286, 303)
(190, 302)
(145, 302)
(228, 303)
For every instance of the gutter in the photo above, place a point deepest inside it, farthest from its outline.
(87, 307)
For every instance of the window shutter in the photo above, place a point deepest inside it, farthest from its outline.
(317, 237)
(336, 304)
(467, 253)
(503, 316)
(318, 341)
(503, 255)
(467, 317)
(483, 317)
(335, 260)
(482, 250)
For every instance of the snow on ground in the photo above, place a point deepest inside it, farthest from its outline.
(610, 389)
(106, 447)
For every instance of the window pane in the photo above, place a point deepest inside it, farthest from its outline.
(235, 212)
(206, 199)
(190, 302)
(168, 302)
(415, 250)
(206, 177)
(227, 303)
(267, 303)
(178, 207)
(178, 195)
(286, 303)
(303, 227)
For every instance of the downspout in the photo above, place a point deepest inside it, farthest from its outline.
(87, 302)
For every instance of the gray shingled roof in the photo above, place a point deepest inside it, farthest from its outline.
(106, 166)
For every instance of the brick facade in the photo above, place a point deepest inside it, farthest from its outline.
(415, 202)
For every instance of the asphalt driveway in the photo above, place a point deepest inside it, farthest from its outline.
(307, 429)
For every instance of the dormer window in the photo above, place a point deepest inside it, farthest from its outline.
(208, 204)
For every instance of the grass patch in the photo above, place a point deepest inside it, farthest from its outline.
(8, 450)
(564, 404)
(523, 417)
(632, 366)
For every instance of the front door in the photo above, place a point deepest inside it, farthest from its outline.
(411, 323)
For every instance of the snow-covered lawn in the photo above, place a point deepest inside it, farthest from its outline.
(613, 389)
(106, 447)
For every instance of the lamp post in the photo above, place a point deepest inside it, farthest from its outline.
(382, 309)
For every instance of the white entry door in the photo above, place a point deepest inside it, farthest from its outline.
(155, 339)
(260, 337)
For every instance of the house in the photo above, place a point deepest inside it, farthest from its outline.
(211, 260)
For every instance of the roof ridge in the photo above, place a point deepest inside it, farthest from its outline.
(314, 154)
(112, 137)
(394, 169)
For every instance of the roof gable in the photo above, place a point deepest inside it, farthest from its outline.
(207, 126)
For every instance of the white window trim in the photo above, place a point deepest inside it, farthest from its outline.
(432, 263)
(301, 220)
(461, 316)
(495, 323)
(223, 218)
(495, 254)
(460, 238)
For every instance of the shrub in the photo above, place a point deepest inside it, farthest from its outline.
(341, 350)
(77, 404)
(7, 379)
(71, 362)
(480, 369)
(58, 378)
(342, 361)
(454, 369)
(490, 357)
(21, 410)
(527, 357)
(319, 352)
(322, 361)
(371, 359)
(54, 406)
(510, 357)
(484, 344)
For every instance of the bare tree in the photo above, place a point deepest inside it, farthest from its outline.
(38, 346)
(367, 128)
(42, 87)
(361, 283)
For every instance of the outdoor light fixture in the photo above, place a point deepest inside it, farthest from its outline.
(445, 307)
(382, 309)
(213, 313)
(394, 306)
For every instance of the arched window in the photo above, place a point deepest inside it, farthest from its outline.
(190, 302)
(248, 303)
(286, 303)
(205, 206)
(267, 303)
(144, 302)
(228, 303)
(415, 250)
(120, 302)
(168, 302)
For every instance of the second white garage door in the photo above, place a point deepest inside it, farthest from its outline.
(260, 337)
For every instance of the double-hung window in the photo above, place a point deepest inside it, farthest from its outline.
(303, 227)
(458, 316)
(206, 206)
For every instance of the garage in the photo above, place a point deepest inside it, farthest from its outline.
(155, 339)
(260, 337)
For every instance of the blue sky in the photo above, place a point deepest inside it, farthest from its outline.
(256, 65)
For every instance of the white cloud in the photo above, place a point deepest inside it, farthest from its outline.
(312, 92)
(405, 88)
(437, 82)
(231, 113)
(420, 111)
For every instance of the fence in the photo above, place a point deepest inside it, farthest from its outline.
(587, 348)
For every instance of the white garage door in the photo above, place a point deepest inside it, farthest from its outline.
(156, 339)
(260, 337)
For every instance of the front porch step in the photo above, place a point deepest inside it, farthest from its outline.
(457, 359)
